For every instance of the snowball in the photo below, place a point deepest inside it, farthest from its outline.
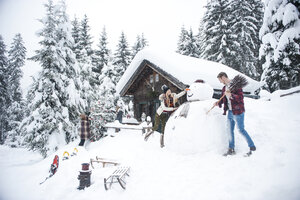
(199, 91)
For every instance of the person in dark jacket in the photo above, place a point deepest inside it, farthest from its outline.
(119, 112)
(84, 131)
(234, 104)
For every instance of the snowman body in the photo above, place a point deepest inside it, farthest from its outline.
(190, 130)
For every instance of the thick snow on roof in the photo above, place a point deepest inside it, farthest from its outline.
(186, 69)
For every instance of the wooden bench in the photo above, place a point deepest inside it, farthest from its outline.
(130, 127)
(104, 161)
(117, 176)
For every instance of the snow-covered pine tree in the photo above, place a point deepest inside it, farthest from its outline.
(4, 96)
(52, 95)
(181, 44)
(258, 13)
(88, 78)
(71, 70)
(244, 22)
(280, 49)
(216, 33)
(230, 34)
(97, 120)
(86, 43)
(103, 54)
(139, 44)
(89, 90)
(85, 37)
(16, 60)
(122, 58)
(136, 46)
(107, 93)
(15, 111)
(192, 48)
(83, 61)
(187, 43)
(103, 109)
(200, 38)
(76, 36)
(144, 41)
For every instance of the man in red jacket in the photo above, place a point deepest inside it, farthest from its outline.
(234, 104)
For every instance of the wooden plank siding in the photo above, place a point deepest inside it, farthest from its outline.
(145, 87)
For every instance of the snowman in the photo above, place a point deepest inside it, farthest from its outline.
(190, 130)
(198, 91)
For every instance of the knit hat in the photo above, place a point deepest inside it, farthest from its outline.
(164, 88)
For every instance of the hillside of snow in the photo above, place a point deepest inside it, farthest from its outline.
(191, 166)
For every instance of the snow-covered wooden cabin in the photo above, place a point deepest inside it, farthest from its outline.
(150, 69)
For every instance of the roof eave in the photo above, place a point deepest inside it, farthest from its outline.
(163, 73)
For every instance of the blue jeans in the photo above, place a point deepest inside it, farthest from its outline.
(239, 119)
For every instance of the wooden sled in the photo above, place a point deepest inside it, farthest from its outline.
(118, 176)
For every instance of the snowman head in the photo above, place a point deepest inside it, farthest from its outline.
(199, 91)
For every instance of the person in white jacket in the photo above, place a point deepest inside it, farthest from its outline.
(167, 107)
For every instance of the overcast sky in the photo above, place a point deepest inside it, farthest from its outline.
(159, 20)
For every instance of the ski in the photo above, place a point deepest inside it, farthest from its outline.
(45, 180)
(53, 168)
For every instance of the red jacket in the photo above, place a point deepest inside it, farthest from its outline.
(237, 102)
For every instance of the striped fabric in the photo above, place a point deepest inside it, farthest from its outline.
(237, 101)
(85, 129)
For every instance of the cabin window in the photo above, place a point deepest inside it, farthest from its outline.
(156, 77)
(151, 78)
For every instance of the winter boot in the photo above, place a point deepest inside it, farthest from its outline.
(229, 152)
(162, 140)
(252, 148)
(250, 152)
(148, 135)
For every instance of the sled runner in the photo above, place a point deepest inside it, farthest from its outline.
(104, 161)
(117, 176)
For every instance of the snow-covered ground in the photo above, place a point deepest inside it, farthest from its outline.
(272, 172)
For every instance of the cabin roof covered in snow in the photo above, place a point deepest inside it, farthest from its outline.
(183, 69)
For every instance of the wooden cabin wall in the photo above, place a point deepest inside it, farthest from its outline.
(145, 99)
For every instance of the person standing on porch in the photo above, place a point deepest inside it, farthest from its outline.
(167, 107)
